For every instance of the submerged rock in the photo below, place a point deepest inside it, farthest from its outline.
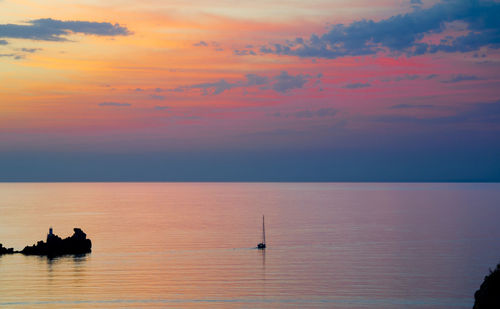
(4, 250)
(488, 295)
(54, 246)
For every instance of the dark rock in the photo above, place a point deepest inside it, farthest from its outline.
(5, 250)
(488, 295)
(54, 246)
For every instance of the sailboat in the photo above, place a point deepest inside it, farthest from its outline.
(262, 245)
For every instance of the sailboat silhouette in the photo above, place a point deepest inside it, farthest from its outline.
(262, 245)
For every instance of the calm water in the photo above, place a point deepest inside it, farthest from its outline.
(191, 245)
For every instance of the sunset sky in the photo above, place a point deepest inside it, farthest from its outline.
(284, 90)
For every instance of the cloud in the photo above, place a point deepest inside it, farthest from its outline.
(406, 77)
(178, 89)
(3, 42)
(461, 77)
(325, 112)
(115, 104)
(411, 106)
(322, 112)
(285, 82)
(409, 77)
(403, 33)
(215, 45)
(157, 97)
(244, 52)
(256, 80)
(18, 56)
(200, 43)
(49, 29)
(213, 88)
(357, 85)
(161, 108)
(416, 4)
(304, 114)
(280, 83)
(30, 50)
(15, 56)
(474, 113)
(401, 78)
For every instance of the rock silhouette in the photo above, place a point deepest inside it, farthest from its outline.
(4, 250)
(488, 295)
(54, 246)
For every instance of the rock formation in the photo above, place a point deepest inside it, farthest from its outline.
(54, 246)
(5, 250)
(488, 295)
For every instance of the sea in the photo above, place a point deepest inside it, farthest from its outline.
(192, 245)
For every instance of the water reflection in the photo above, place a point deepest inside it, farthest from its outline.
(69, 268)
(263, 254)
(77, 259)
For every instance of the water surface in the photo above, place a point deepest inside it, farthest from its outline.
(331, 245)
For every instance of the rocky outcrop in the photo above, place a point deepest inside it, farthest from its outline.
(54, 246)
(488, 295)
(4, 250)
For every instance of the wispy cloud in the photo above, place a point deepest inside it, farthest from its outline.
(282, 83)
(116, 104)
(412, 106)
(409, 77)
(474, 113)
(157, 97)
(200, 43)
(416, 3)
(244, 52)
(214, 88)
(357, 86)
(322, 112)
(15, 56)
(30, 50)
(214, 45)
(461, 77)
(256, 80)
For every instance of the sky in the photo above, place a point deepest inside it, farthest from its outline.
(283, 90)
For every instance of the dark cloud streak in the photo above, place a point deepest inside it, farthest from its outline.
(322, 112)
(30, 50)
(412, 106)
(115, 104)
(482, 113)
(460, 78)
(49, 29)
(282, 83)
(15, 56)
(357, 86)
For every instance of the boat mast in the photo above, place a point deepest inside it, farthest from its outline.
(263, 231)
